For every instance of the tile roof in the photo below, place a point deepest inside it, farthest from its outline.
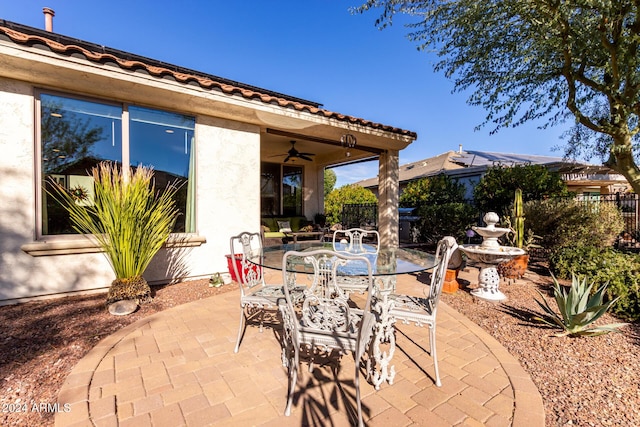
(24, 35)
(420, 169)
(475, 162)
(487, 158)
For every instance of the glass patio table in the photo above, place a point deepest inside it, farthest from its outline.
(386, 264)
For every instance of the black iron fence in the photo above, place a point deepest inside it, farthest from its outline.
(360, 216)
(628, 205)
(366, 215)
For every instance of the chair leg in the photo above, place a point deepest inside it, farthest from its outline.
(240, 330)
(432, 342)
(261, 320)
(358, 401)
(293, 378)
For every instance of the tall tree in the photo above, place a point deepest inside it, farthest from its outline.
(532, 59)
(350, 193)
(439, 189)
(330, 179)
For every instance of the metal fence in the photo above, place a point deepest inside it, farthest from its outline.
(628, 206)
(360, 215)
(366, 215)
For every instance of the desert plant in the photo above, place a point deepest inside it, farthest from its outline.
(578, 309)
(129, 221)
(518, 219)
(518, 237)
(216, 281)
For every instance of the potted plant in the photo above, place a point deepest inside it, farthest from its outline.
(519, 238)
(216, 281)
(129, 221)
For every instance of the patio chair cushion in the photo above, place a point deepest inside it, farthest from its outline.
(295, 223)
(284, 226)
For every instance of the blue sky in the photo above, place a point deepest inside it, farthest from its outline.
(312, 49)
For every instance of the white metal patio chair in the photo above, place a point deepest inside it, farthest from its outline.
(353, 241)
(255, 295)
(325, 323)
(422, 311)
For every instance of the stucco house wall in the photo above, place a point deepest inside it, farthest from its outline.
(228, 157)
(236, 127)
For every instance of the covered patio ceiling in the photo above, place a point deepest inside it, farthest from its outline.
(276, 143)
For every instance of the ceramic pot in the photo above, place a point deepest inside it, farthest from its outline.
(450, 284)
(515, 267)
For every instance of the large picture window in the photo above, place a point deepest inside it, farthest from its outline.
(77, 134)
(281, 190)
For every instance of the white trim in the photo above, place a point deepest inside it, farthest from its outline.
(87, 244)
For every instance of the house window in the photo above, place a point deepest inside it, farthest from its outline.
(77, 134)
(281, 190)
(292, 191)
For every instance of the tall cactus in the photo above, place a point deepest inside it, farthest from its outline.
(518, 219)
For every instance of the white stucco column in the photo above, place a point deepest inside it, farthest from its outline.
(388, 194)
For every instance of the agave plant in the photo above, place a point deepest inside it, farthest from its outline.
(129, 221)
(578, 309)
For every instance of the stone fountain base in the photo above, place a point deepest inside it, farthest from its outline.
(489, 281)
(488, 255)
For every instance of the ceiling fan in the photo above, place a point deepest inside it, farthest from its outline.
(293, 153)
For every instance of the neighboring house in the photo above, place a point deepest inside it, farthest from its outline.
(67, 104)
(469, 166)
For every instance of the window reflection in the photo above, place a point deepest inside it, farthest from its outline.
(292, 191)
(77, 134)
(164, 141)
(281, 190)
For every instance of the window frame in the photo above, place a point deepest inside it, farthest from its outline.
(281, 167)
(183, 238)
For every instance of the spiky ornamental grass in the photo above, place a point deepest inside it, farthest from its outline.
(578, 309)
(128, 218)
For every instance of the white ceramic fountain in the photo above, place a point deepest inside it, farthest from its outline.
(488, 255)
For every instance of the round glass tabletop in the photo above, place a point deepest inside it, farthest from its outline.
(387, 261)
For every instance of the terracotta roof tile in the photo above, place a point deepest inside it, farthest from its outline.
(21, 34)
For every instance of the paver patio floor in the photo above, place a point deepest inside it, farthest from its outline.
(177, 367)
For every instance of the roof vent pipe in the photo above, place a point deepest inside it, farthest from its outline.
(48, 18)
(459, 148)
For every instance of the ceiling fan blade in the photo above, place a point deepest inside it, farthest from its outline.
(307, 154)
(287, 159)
(303, 157)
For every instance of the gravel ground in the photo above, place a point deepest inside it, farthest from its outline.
(583, 381)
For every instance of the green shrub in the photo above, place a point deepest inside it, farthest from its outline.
(567, 222)
(439, 189)
(346, 194)
(439, 201)
(620, 270)
(495, 190)
(449, 219)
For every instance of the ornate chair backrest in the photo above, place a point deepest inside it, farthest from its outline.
(244, 246)
(325, 304)
(352, 239)
(445, 248)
